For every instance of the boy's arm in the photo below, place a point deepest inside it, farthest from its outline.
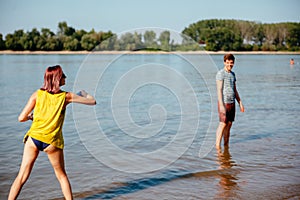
(237, 96)
(220, 96)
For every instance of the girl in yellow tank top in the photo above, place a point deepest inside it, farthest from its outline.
(45, 134)
(49, 114)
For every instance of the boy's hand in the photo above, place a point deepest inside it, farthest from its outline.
(222, 109)
(242, 107)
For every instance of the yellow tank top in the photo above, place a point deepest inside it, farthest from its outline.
(48, 119)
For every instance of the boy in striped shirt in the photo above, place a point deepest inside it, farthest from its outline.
(227, 94)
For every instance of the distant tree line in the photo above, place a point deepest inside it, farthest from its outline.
(238, 35)
(213, 35)
(67, 38)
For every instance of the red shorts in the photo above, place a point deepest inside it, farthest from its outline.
(230, 113)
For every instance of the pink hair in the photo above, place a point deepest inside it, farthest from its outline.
(52, 78)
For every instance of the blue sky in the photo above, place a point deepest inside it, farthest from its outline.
(124, 15)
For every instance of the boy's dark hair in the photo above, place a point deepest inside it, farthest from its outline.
(229, 56)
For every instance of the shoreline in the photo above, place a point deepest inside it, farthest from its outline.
(10, 52)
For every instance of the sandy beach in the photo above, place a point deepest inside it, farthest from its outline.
(151, 52)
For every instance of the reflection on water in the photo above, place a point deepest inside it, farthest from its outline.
(133, 186)
(226, 174)
(228, 177)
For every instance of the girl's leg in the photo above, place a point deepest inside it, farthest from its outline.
(56, 158)
(29, 156)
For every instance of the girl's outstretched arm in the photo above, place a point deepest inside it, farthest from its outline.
(84, 98)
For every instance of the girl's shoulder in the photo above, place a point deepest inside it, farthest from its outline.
(69, 96)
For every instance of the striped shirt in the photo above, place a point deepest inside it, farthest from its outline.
(229, 80)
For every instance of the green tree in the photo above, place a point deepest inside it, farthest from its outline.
(150, 40)
(64, 29)
(270, 34)
(89, 41)
(193, 31)
(138, 44)
(130, 42)
(247, 30)
(214, 34)
(106, 35)
(259, 35)
(109, 43)
(223, 39)
(53, 44)
(217, 34)
(30, 40)
(78, 34)
(71, 44)
(44, 39)
(293, 37)
(164, 39)
(2, 43)
(187, 44)
(13, 41)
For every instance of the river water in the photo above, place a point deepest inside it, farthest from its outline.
(151, 134)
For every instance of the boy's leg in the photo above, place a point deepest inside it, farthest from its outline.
(227, 133)
(230, 115)
(29, 156)
(219, 134)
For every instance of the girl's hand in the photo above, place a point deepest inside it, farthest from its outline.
(81, 97)
(30, 117)
(82, 93)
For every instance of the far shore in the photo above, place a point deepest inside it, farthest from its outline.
(149, 52)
